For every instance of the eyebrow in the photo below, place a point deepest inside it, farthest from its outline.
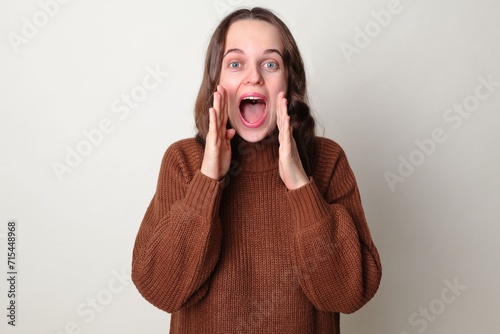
(268, 51)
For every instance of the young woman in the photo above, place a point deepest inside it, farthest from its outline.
(256, 225)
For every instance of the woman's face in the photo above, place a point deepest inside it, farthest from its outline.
(253, 74)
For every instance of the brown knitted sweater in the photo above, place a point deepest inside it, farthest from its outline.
(247, 255)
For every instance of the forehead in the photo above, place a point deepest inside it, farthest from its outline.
(253, 36)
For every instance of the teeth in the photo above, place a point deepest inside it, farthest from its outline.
(252, 98)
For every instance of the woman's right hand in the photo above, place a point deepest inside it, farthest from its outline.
(217, 156)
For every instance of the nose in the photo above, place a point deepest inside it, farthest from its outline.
(254, 77)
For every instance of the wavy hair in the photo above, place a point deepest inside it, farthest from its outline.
(298, 106)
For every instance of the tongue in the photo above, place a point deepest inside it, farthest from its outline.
(252, 112)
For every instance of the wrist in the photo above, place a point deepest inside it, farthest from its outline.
(212, 176)
(299, 182)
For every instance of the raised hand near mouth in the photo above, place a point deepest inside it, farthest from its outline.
(290, 167)
(217, 155)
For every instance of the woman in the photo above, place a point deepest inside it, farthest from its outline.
(256, 225)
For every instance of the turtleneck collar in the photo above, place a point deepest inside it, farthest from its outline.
(259, 156)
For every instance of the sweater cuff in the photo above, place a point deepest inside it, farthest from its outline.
(307, 205)
(204, 194)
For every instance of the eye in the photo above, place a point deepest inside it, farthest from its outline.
(234, 64)
(271, 65)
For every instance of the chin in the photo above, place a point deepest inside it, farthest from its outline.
(253, 135)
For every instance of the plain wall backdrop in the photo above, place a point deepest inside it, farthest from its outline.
(93, 92)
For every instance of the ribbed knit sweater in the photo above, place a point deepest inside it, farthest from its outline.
(246, 254)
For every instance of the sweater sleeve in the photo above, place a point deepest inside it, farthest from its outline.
(179, 240)
(336, 262)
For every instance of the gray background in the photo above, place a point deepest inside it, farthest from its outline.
(76, 231)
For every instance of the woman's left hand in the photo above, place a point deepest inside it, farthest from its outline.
(291, 170)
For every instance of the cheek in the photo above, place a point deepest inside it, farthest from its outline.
(229, 86)
(232, 101)
(284, 87)
(225, 82)
(279, 85)
(230, 92)
(232, 106)
(271, 111)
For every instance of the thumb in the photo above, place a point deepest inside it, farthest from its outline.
(230, 133)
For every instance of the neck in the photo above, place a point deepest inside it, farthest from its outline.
(258, 156)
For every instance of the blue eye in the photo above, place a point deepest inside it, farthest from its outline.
(271, 65)
(234, 64)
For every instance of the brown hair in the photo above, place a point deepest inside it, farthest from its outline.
(301, 119)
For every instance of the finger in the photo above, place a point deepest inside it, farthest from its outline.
(224, 105)
(219, 112)
(221, 101)
(222, 111)
(288, 127)
(217, 109)
(278, 112)
(284, 115)
(284, 107)
(284, 111)
(230, 133)
(212, 122)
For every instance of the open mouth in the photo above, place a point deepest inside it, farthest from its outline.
(253, 109)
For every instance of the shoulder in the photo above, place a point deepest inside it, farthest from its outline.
(184, 155)
(331, 160)
(328, 148)
(328, 152)
(188, 148)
